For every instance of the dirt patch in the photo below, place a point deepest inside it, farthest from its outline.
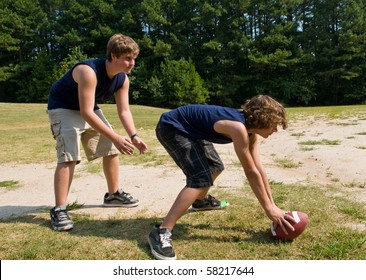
(319, 152)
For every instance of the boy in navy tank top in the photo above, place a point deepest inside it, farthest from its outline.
(77, 120)
(187, 133)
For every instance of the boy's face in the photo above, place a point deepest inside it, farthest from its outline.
(125, 61)
(266, 132)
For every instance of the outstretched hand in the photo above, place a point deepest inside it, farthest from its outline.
(124, 145)
(280, 218)
(139, 144)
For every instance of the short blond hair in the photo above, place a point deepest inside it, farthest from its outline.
(119, 44)
(262, 111)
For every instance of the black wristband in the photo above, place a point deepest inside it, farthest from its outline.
(133, 136)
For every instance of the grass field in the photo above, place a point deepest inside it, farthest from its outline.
(240, 232)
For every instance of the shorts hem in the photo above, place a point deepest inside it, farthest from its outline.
(111, 153)
(66, 158)
(199, 187)
(217, 170)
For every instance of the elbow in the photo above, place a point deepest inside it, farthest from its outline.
(252, 174)
(86, 115)
(124, 113)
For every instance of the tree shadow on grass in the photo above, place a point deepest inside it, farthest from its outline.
(13, 211)
(135, 229)
(215, 233)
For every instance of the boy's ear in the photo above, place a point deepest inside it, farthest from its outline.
(113, 56)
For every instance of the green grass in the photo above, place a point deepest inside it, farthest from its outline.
(320, 142)
(9, 184)
(336, 229)
(306, 148)
(338, 113)
(25, 134)
(300, 134)
(287, 163)
(239, 232)
(19, 122)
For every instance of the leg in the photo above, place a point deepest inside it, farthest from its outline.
(111, 172)
(64, 173)
(115, 197)
(160, 236)
(214, 162)
(203, 195)
(96, 145)
(62, 181)
(189, 155)
(66, 127)
(183, 201)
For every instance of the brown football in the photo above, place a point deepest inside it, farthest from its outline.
(300, 225)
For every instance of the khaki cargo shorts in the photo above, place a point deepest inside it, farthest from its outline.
(69, 129)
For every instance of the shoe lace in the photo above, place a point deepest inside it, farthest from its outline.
(126, 195)
(123, 193)
(62, 215)
(210, 198)
(165, 239)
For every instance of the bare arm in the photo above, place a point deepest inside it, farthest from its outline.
(125, 115)
(254, 151)
(87, 82)
(247, 153)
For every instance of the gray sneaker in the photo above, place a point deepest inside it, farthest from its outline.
(160, 243)
(120, 199)
(60, 220)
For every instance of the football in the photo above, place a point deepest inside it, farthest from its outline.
(301, 221)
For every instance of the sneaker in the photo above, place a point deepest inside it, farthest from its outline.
(60, 220)
(160, 243)
(209, 203)
(120, 199)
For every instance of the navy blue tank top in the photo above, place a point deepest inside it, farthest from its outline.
(64, 92)
(198, 120)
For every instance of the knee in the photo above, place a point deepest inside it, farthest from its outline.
(215, 175)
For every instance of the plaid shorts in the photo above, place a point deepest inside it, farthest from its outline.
(198, 159)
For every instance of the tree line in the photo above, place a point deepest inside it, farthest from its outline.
(301, 52)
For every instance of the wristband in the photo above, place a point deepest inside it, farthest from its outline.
(133, 136)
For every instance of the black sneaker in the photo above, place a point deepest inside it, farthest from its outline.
(120, 199)
(209, 203)
(160, 243)
(60, 220)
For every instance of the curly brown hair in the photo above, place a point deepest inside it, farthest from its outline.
(262, 111)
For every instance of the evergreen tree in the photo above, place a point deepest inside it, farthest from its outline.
(303, 52)
(181, 84)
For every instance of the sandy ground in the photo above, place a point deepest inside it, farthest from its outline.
(157, 187)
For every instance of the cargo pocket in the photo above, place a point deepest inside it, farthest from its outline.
(56, 129)
(60, 143)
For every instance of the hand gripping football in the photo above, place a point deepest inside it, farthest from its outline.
(300, 225)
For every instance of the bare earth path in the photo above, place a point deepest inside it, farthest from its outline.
(157, 187)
